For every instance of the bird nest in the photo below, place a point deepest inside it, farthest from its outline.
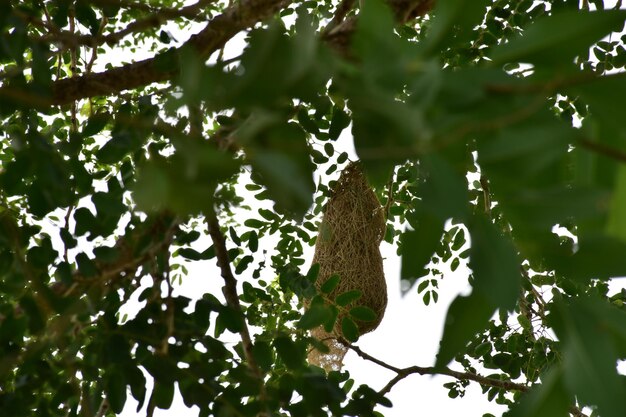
(348, 242)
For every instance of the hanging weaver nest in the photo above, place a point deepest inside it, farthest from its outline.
(348, 242)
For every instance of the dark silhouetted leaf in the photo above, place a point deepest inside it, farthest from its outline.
(558, 38)
(330, 284)
(349, 329)
(347, 297)
(363, 313)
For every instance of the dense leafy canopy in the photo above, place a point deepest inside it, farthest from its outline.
(492, 131)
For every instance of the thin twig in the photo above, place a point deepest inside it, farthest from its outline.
(484, 183)
(602, 149)
(104, 407)
(154, 20)
(340, 14)
(469, 376)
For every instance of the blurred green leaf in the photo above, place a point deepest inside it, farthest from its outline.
(444, 193)
(280, 157)
(589, 352)
(349, 329)
(493, 259)
(330, 284)
(184, 182)
(339, 121)
(95, 124)
(597, 257)
(418, 246)
(163, 394)
(116, 390)
(315, 315)
(454, 22)
(289, 352)
(363, 313)
(558, 38)
(548, 399)
(466, 316)
(263, 354)
(347, 297)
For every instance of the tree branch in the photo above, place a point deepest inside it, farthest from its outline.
(469, 376)
(340, 14)
(231, 294)
(241, 15)
(602, 149)
(154, 20)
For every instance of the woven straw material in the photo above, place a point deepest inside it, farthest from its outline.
(348, 242)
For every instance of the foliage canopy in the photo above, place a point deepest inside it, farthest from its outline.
(491, 130)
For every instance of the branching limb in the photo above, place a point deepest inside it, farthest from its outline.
(154, 20)
(242, 15)
(231, 295)
(484, 381)
(602, 149)
(340, 14)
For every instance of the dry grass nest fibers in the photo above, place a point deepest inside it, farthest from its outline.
(348, 242)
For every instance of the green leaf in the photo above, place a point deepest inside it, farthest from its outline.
(493, 259)
(186, 181)
(274, 66)
(330, 284)
(87, 16)
(467, 315)
(603, 96)
(339, 121)
(380, 121)
(418, 246)
(280, 159)
(315, 315)
(254, 223)
(190, 254)
(263, 354)
(525, 322)
(234, 236)
(163, 394)
(349, 329)
(122, 143)
(106, 254)
(313, 273)
(548, 399)
(363, 313)
(558, 38)
(96, 123)
(116, 390)
(590, 354)
(306, 122)
(597, 257)
(483, 349)
(444, 193)
(253, 242)
(231, 319)
(291, 354)
(329, 324)
(86, 265)
(347, 297)
(453, 22)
